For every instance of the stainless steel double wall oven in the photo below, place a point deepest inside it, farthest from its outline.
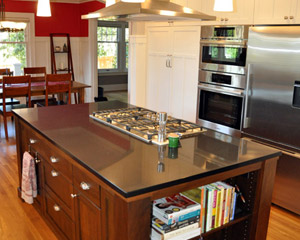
(222, 78)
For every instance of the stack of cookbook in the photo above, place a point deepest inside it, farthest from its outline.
(175, 218)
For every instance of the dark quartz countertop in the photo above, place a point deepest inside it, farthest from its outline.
(133, 167)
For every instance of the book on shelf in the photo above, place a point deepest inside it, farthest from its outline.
(191, 233)
(177, 232)
(175, 208)
(168, 228)
(233, 205)
(210, 192)
(199, 195)
(228, 191)
(214, 206)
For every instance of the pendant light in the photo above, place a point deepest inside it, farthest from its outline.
(43, 8)
(223, 6)
(9, 26)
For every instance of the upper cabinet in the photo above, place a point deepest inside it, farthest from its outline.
(242, 14)
(277, 12)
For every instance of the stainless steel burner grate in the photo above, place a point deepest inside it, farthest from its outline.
(143, 123)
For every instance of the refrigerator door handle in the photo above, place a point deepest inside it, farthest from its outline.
(246, 119)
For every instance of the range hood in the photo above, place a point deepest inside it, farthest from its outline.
(150, 10)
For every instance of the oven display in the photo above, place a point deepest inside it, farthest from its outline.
(220, 78)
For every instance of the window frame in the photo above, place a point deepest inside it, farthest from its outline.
(25, 42)
(121, 63)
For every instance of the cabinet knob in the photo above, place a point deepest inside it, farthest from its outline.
(226, 19)
(73, 195)
(291, 17)
(32, 141)
(53, 159)
(54, 173)
(56, 208)
(37, 160)
(222, 19)
(286, 17)
(85, 186)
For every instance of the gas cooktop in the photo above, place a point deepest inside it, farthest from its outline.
(143, 124)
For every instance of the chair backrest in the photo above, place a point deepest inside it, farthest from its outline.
(38, 74)
(16, 86)
(58, 83)
(5, 71)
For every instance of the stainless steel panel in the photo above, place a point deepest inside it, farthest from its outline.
(223, 68)
(274, 55)
(150, 10)
(221, 89)
(218, 127)
(237, 81)
(241, 32)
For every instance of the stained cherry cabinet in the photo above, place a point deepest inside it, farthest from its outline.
(88, 218)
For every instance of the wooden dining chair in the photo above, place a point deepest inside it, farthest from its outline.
(58, 84)
(6, 72)
(15, 86)
(38, 75)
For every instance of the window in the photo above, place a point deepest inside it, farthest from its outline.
(13, 51)
(112, 39)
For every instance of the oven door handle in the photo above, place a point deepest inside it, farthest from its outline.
(235, 92)
(223, 43)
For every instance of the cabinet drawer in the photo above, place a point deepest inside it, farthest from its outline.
(56, 212)
(58, 184)
(48, 151)
(86, 186)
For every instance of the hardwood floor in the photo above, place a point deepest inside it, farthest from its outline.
(20, 221)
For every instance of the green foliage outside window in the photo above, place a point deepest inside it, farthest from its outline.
(12, 46)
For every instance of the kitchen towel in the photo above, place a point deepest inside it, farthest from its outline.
(29, 187)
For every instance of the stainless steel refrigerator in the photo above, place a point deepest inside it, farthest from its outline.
(272, 103)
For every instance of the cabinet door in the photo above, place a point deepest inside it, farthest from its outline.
(294, 17)
(184, 74)
(158, 72)
(88, 219)
(272, 11)
(242, 13)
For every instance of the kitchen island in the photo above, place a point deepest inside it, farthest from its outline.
(95, 182)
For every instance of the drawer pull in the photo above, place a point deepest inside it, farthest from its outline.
(56, 208)
(85, 186)
(32, 141)
(53, 159)
(54, 173)
(286, 17)
(73, 195)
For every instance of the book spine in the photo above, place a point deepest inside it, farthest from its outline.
(209, 208)
(203, 208)
(234, 205)
(214, 208)
(231, 203)
(168, 228)
(218, 206)
(179, 231)
(222, 206)
(173, 219)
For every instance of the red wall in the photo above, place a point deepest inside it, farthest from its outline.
(66, 17)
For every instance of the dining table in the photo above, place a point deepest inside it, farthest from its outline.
(39, 89)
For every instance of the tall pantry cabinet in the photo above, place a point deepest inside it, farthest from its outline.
(172, 70)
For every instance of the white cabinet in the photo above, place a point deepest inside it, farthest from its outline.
(172, 70)
(242, 12)
(277, 12)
